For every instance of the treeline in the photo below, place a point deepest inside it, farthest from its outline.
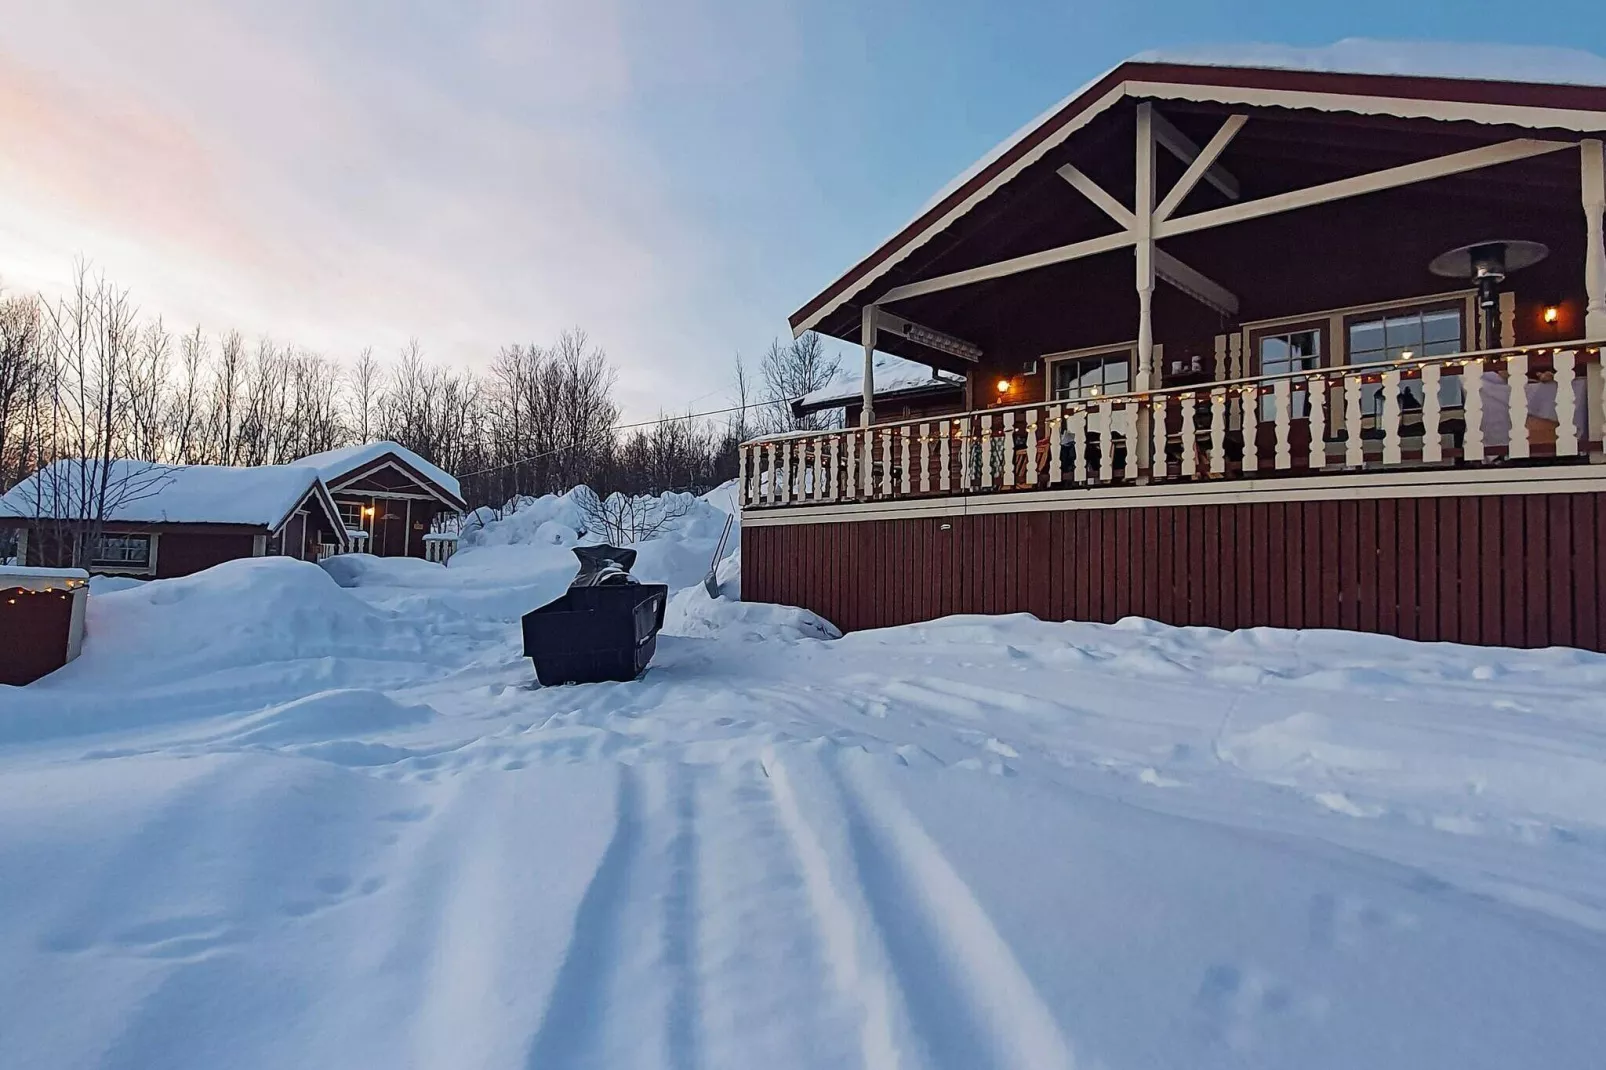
(84, 376)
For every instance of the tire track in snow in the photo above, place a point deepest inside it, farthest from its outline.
(572, 1026)
(856, 967)
(681, 904)
(968, 995)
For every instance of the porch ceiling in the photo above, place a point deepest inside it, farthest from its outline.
(1368, 248)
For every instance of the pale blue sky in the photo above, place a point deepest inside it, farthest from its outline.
(675, 177)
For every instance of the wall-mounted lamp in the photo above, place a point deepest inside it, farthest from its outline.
(1552, 314)
(1004, 387)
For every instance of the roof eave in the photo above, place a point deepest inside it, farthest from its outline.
(1142, 78)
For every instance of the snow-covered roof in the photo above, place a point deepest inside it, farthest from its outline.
(336, 463)
(892, 375)
(145, 493)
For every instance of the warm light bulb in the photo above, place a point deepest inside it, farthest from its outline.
(1003, 386)
(1552, 314)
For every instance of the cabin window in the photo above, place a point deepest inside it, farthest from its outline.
(121, 551)
(1092, 376)
(1282, 351)
(1400, 334)
(350, 515)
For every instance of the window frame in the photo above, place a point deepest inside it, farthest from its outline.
(123, 564)
(1125, 350)
(1419, 308)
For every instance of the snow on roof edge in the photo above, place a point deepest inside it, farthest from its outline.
(144, 492)
(900, 374)
(337, 462)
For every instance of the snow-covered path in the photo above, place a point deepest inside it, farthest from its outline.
(269, 822)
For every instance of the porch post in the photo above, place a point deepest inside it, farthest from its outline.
(1594, 184)
(867, 329)
(1143, 225)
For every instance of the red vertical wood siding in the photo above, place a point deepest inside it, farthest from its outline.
(1507, 570)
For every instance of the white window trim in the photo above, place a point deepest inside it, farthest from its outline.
(1130, 349)
(147, 569)
(1337, 342)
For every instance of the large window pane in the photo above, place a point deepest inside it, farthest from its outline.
(1281, 354)
(1091, 377)
(1402, 335)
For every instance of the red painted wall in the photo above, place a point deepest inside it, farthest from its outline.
(1502, 570)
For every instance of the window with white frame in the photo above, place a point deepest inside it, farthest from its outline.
(1400, 334)
(1282, 351)
(1092, 376)
(350, 515)
(121, 551)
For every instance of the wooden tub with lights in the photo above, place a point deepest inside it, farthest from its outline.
(41, 620)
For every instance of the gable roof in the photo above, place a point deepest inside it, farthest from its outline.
(336, 465)
(1541, 88)
(146, 493)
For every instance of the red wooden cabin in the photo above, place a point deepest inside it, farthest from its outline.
(389, 498)
(1243, 345)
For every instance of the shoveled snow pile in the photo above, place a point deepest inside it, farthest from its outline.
(277, 816)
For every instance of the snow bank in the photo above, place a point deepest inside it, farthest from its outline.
(693, 614)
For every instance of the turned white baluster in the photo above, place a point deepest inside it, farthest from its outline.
(925, 458)
(903, 454)
(1159, 407)
(1106, 443)
(784, 474)
(1517, 382)
(1391, 417)
(1354, 448)
(1055, 437)
(944, 481)
(1472, 393)
(1009, 449)
(1432, 440)
(965, 480)
(1566, 405)
(833, 475)
(1282, 404)
(1190, 438)
(772, 493)
(850, 443)
(1251, 409)
(1218, 432)
(1316, 402)
(1079, 446)
(1035, 427)
(886, 462)
(744, 494)
(1132, 424)
(986, 441)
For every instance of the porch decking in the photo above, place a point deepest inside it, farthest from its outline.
(1448, 412)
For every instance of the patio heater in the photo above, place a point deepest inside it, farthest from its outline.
(1486, 264)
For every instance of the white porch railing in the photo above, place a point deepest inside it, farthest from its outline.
(1432, 411)
(439, 546)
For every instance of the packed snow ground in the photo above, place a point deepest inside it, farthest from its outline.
(277, 816)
